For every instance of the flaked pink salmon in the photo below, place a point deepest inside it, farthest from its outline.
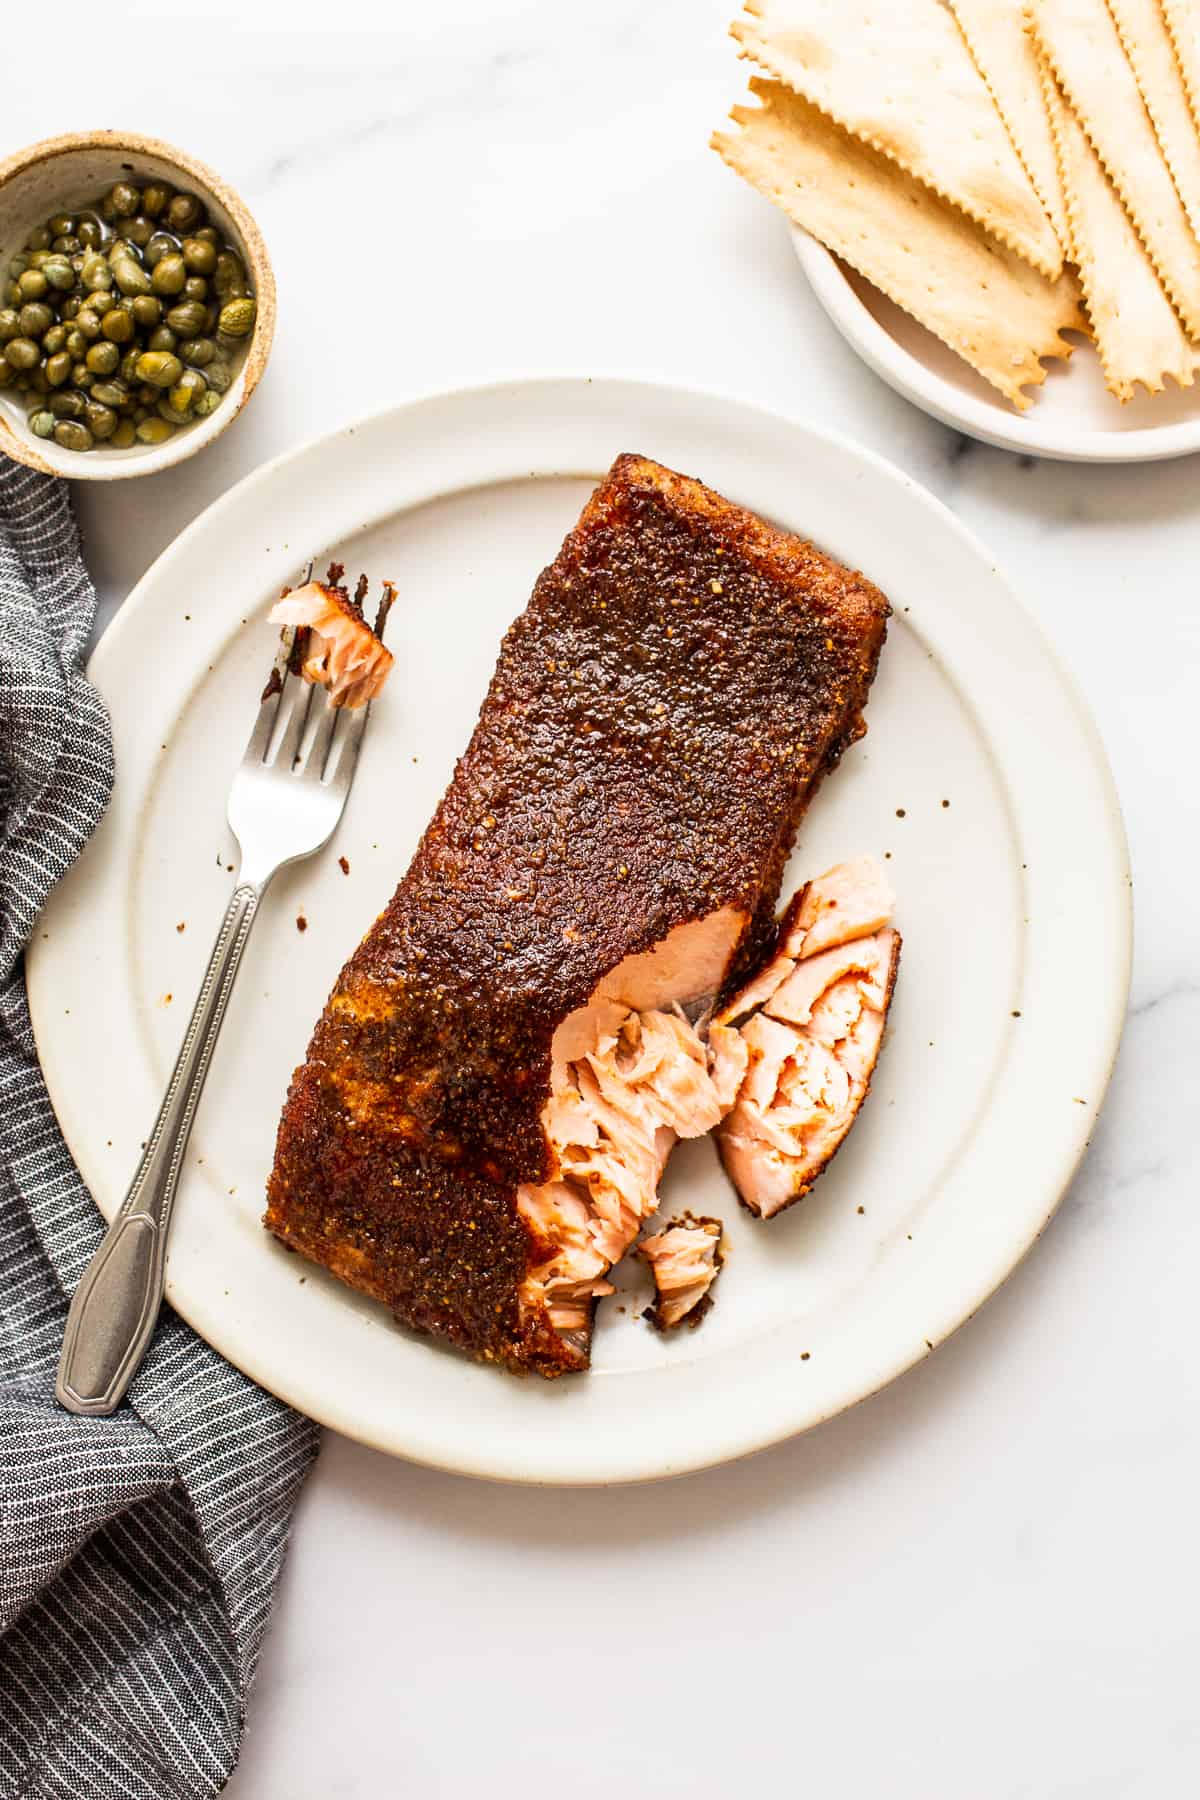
(339, 650)
(685, 1260)
(811, 1023)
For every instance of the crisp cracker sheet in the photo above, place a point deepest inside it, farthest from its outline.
(1080, 43)
(1143, 32)
(982, 300)
(1138, 336)
(1183, 25)
(1005, 56)
(897, 74)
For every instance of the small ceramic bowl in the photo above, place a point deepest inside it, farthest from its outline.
(69, 171)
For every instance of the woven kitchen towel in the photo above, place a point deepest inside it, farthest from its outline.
(138, 1554)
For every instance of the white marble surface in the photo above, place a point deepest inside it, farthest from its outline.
(981, 1583)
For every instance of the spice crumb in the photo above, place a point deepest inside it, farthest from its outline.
(900, 813)
(182, 925)
(804, 1355)
(1016, 1015)
(928, 1345)
(343, 865)
(301, 922)
(862, 1209)
(945, 803)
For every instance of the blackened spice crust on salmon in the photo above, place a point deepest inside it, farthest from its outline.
(659, 716)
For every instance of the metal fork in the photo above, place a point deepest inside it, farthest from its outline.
(286, 798)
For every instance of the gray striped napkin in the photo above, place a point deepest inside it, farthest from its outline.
(138, 1554)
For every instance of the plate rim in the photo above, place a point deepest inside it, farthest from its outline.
(906, 375)
(1115, 849)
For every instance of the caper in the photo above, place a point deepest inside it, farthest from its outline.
(124, 435)
(58, 272)
(69, 434)
(68, 245)
(67, 405)
(162, 338)
(206, 403)
(184, 212)
(12, 294)
(10, 324)
(38, 240)
(60, 222)
(188, 318)
(200, 255)
(76, 342)
(125, 199)
(54, 340)
(169, 273)
(36, 381)
(18, 266)
(129, 363)
(90, 233)
(186, 392)
(159, 368)
(70, 308)
(41, 423)
(139, 231)
(96, 273)
(237, 317)
(87, 322)
(198, 351)
(82, 378)
(155, 195)
(195, 288)
(58, 368)
(117, 326)
(103, 358)
(130, 277)
(218, 375)
(36, 318)
(100, 302)
(147, 311)
(160, 245)
(153, 431)
(112, 392)
(23, 353)
(229, 278)
(101, 420)
(32, 284)
(209, 235)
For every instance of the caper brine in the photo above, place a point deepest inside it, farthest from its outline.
(124, 320)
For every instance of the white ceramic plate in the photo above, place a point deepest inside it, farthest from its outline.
(982, 781)
(1073, 419)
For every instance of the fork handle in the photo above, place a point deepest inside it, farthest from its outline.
(112, 1316)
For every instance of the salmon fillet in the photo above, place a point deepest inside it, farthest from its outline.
(505, 1061)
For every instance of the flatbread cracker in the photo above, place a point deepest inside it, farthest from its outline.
(982, 300)
(897, 74)
(1005, 56)
(1137, 334)
(1080, 43)
(1143, 32)
(1183, 25)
